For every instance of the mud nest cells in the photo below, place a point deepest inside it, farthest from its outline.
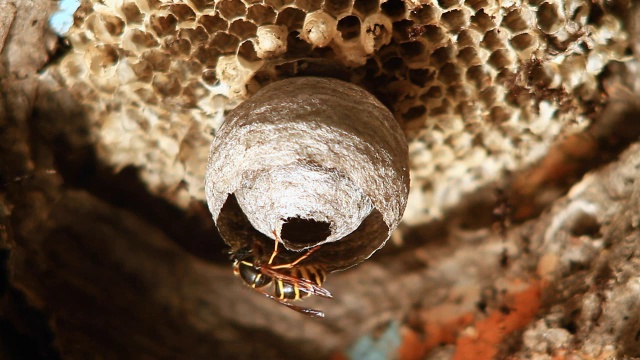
(479, 87)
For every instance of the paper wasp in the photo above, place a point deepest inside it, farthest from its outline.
(292, 281)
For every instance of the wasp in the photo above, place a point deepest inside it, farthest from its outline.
(292, 281)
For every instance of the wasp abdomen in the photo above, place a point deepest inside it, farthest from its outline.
(252, 275)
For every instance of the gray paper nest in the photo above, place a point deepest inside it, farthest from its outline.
(318, 161)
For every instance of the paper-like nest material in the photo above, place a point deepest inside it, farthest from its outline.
(479, 87)
(314, 149)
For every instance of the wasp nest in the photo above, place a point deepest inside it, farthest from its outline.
(317, 160)
(480, 87)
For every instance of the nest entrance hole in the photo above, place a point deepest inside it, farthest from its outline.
(305, 231)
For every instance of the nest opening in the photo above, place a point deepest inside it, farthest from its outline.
(305, 231)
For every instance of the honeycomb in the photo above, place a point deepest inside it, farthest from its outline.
(480, 87)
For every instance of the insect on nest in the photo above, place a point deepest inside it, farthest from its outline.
(292, 281)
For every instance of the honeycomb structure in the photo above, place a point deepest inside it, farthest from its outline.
(480, 87)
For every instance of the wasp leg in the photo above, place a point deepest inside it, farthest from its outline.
(292, 264)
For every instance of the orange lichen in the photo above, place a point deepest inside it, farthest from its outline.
(415, 345)
(490, 331)
(520, 308)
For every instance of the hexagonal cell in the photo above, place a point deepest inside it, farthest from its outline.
(291, 17)
(550, 18)
(395, 9)
(159, 60)
(146, 96)
(541, 74)
(196, 36)
(455, 20)
(469, 37)
(349, 27)
(100, 57)
(231, 9)
(434, 92)
(202, 5)
(154, 4)
(414, 112)
(406, 30)
(112, 24)
(176, 47)
(163, 25)
(482, 21)
(477, 4)
(184, 68)
(261, 14)
(247, 52)
(337, 7)
(413, 52)
(449, 74)
(227, 43)
(393, 63)
(137, 40)
(421, 77)
(207, 54)
(366, 7)
(296, 46)
(209, 76)
(442, 55)
(523, 42)
(500, 59)
(478, 76)
(376, 32)
(447, 4)
(231, 72)
(499, 114)
(95, 24)
(143, 70)
(489, 95)
(469, 56)
(271, 41)
(536, 2)
(494, 39)
(243, 29)
(132, 13)
(434, 34)
(308, 5)
(444, 108)
(213, 23)
(319, 28)
(183, 12)
(458, 92)
(517, 20)
(425, 14)
(192, 92)
(72, 67)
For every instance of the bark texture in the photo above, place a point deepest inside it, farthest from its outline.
(94, 266)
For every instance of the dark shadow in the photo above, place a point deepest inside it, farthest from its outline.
(75, 160)
(305, 231)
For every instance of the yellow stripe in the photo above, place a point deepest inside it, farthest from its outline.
(297, 292)
(257, 280)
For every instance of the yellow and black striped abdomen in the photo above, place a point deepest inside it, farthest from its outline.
(286, 290)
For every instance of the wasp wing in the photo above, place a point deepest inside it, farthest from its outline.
(304, 284)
